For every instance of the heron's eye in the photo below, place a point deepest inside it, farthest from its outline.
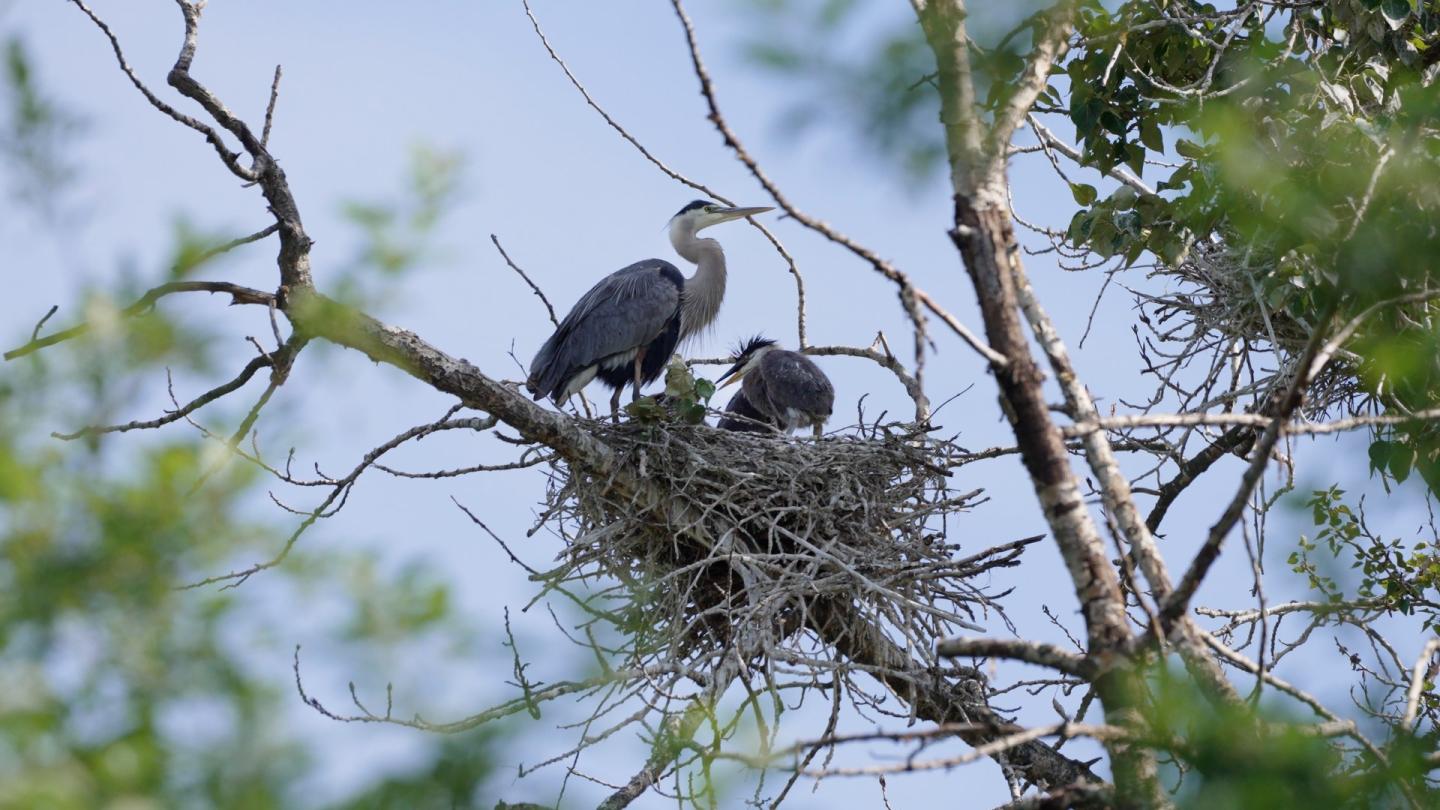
(710, 209)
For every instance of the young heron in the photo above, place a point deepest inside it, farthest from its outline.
(626, 327)
(785, 388)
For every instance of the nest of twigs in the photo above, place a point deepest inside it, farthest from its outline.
(698, 536)
(1217, 303)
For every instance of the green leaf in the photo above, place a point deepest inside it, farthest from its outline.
(1379, 456)
(1402, 458)
(1189, 149)
(1083, 193)
(645, 409)
(679, 382)
(704, 389)
(693, 413)
(1395, 12)
(1150, 135)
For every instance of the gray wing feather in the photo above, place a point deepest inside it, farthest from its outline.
(741, 415)
(792, 380)
(625, 310)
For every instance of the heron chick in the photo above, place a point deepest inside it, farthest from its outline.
(786, 389)
(626, 327)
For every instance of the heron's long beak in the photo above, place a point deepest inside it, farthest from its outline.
(727, 214)
(733, 376)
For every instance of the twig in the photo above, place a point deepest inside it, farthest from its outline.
(340, 491)
(234, 243)
(1063, 730)
(194, 405)
(270, 108)
(1308, 364)
(237, 293)
(35, 333)
(533, 287)
(226, 156)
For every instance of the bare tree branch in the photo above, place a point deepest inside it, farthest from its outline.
(237, 293)
(1031, 652)
(1421, 673)
(1310, 362)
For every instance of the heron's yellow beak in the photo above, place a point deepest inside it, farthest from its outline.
(732, 375)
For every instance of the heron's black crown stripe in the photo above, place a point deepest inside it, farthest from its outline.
(692, 206)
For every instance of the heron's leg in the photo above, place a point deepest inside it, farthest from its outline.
(615, 404)
(639, 359)
(819, 430)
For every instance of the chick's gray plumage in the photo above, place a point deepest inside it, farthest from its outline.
(742, 416)
(789, 388)
(781, 388)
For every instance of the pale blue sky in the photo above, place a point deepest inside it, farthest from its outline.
(366, 81)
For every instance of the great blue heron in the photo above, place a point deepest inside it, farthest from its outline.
(785, 388)
(625, 329)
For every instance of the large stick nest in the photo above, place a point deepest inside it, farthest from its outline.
(1217, 306)
(700, 534)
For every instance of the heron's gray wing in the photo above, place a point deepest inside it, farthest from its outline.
(792, 380)
(624, 311)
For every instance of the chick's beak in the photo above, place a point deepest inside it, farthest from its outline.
(730, 377)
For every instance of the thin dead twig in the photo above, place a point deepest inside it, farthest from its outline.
(237, 293)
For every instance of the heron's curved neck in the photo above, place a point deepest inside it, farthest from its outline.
(704, 290)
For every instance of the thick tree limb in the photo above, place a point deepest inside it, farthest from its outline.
(986, 241)
(1031, 652)
(932, 697)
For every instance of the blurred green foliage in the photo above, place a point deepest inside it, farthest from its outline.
(397, 232)
(850, 70)
(35, 134)
(1245, 758)
(118, 687)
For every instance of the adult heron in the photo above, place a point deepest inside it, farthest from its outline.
(625, 329)
(786, 388)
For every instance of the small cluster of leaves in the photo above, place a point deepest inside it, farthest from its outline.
(685, 399)
(1394, 576)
